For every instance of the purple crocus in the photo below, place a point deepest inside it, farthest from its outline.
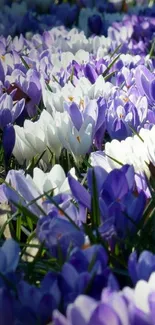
(6, 304)
(85, 270)
(9, 256)
(58, 233)
(27, 86)
(142, 267)
(8, 141)
(112, 310)
(145, 82)
(34, 304)
(117, 202)
(126, 307)
(125, 112)
(20, 190)
(77, 213)
(95, 24)
(10, 110)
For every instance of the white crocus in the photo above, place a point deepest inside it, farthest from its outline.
(82, 56)
(76, 142)
(131, 151)
(35, 136)
(150, 145)
(30, 141)
(69, 93)
(55, 180)
(22, 149)
(100, 89)
(48, 125)
(139, 297)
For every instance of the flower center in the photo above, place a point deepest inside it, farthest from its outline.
(78, 139)
(126, 99)
(82, 103)
(2, 57)
(71, 98)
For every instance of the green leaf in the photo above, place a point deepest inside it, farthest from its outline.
(115, 160)
(55, 79)
(18, 227)
(24, 62)
(26, 212)
(110, 75)
(135, 132)
(89, 232)
(116, 50)
(49, 88)
(110, 65)
(92, 262)
(152, 50)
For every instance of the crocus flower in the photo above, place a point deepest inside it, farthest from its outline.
(58, 232)
(27, 84)
(10, 110)
(35, 304)
(6, 301)
(125, 112)
(9, 253)
(145, 81)
(116, 199)
(142, 267)
(30, 141)
(88, 268)
(8, 141)
(95, 24)
(129, 306)
(25, 189)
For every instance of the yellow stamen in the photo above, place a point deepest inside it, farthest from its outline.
(78, 138)
(61, 213)
(85, 246)
(82, 103)
(2, 57)
(126, 99)
(71, 98)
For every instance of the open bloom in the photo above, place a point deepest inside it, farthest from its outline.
(126, 307)
(142, 267)
(116, 200)
(10, 110)
(25, 189)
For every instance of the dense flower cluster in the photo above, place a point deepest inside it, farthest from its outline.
(77, 162)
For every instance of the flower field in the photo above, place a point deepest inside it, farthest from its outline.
(77, 162)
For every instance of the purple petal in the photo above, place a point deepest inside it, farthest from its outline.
(18, 109)
(106, 313)
(152, 90)
(11, 250)
(5, 117)
(100, 175)
(145, 265)
(8, 141)
(79, 192)
(6, 303)
(90, 73)
(75, 115)
(80, 312)
(59, 319)
(132, 262)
